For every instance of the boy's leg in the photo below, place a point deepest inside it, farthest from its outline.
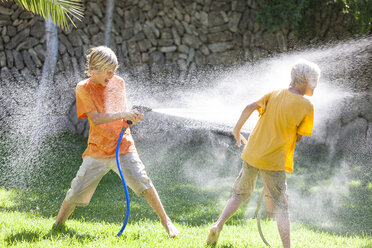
(83, 186)
(152, 197)
(65, 212)
(231, 207)
(275, 188)
(284, 227)
(136, 178)
(243, 188)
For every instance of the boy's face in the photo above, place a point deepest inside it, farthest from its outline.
(104, 75)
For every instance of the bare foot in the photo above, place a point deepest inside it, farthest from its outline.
(171, 229)
(214, 233)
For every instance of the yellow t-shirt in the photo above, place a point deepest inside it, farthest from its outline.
(272, 142)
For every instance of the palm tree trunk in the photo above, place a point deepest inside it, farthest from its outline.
(43, 101)
(51, 52)
(109, 14)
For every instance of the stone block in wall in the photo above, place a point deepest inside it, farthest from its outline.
(238, 5)
(204, 50)
(62, 38)
(217, 29)
(6, 11)
(182, 65)
(11, 30)
(38, 30)
(234, 21)
(144, 45)
(227, 57)
(93, 29)
(176, 37)
(34, 57)
(16, 13)
(183, 49)
(40, 51)
(134, 52)
(168, 22)
(139, 36)
(165, 42)
(128, 19)
(180, 28)
(220, 6)
(28, 43)
(220, 46)
(149, 34)
(219, 37)
(83, 36)
(97, 39)
(9, 58)
(66, 59)
(99, 23)
(95, 8)
(2, 59)
(166, 33)
(127, 34)
(18, 60)
(28, 61)
(137, 27)
(5, 20)
(75, 39)
(216, 19)
(157, 58)
(191, 41)
(21, 36)
(1, 44)
(200, 59)
(168, 49)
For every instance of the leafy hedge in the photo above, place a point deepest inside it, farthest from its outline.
(300, 15)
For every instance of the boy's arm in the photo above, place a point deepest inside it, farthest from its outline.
(243, 118)
(103, 118)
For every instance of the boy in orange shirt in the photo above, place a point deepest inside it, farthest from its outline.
(285, 115)
(102, 99)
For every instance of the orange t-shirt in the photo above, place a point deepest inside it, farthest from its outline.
(272, 142)
(111, 98)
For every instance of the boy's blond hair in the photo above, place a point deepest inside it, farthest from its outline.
(101, 58)
(304, 72)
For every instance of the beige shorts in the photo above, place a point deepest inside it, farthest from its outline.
(93, 169)
(275, 188)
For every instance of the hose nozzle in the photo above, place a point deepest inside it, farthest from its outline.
(142, 109)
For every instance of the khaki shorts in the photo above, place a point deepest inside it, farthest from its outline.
(93, 169)
(275, 188)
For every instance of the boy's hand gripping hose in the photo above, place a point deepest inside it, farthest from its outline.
(141, 109)
(258, 219)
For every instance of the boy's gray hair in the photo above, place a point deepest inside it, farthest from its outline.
(101, 58)
(304, 72)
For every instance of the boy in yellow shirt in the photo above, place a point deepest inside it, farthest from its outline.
(285, 115)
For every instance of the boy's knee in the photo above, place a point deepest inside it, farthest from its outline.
(241, 197)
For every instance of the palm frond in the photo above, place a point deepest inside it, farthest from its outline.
(60, 11)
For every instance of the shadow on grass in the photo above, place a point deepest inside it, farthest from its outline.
(32, 236)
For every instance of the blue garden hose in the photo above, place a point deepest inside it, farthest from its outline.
(123, 180)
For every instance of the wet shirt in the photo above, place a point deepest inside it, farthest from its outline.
(110, 98)
(272, 142)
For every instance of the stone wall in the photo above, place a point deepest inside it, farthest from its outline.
(151, 38)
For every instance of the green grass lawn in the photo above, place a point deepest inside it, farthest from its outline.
(30, 197)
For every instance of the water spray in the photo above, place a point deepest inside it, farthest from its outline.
(141, 109)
